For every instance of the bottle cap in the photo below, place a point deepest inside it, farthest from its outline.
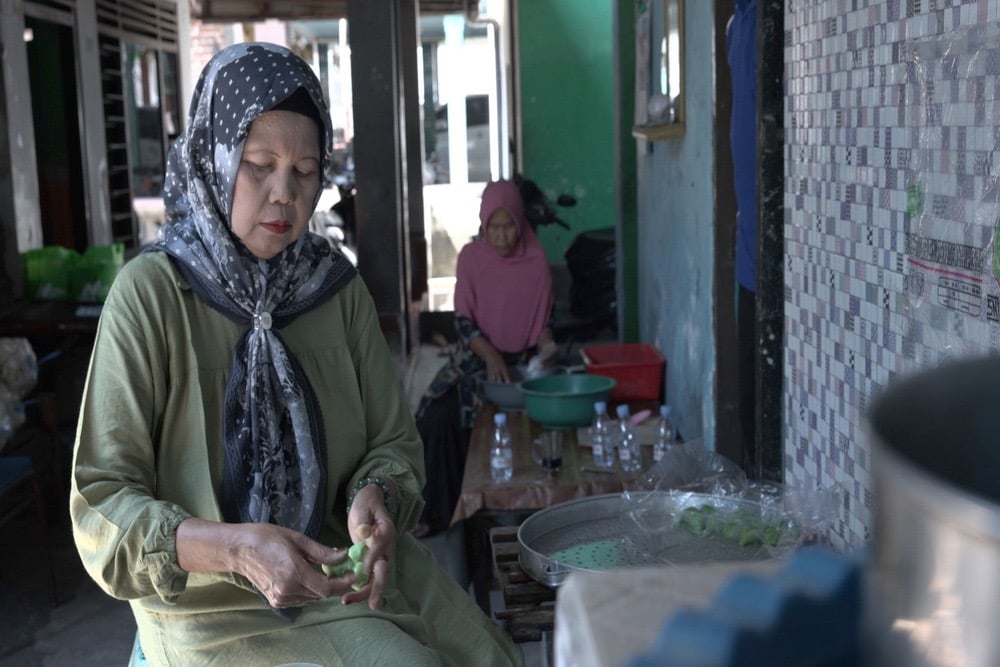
(664, 410)
(500, 418)
(623, 410)
(600, 406)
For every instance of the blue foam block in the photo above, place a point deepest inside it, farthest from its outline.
(808, 613)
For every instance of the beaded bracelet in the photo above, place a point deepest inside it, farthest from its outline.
(387, 496)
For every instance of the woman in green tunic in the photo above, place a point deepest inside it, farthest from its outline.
(242, 422)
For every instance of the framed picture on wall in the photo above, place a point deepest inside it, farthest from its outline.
(659, 69)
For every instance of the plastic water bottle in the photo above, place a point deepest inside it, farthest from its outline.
(601, 438)
(628, 445)
(666, 434)
(501, 454)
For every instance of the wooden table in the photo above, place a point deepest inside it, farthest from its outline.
(484, 504)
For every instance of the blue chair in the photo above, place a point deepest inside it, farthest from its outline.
(138, 658)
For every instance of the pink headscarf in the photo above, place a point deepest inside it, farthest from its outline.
(509, 298)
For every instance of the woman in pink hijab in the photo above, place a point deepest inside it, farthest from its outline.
(503, 303)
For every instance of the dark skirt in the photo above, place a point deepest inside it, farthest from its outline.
(446, 445)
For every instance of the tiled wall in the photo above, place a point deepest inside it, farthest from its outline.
(892, 121)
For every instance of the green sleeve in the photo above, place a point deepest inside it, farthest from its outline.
(125, 536)
(393, 450)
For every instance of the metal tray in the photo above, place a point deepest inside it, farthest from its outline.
(613, 531)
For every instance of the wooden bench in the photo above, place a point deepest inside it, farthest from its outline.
(528, 607)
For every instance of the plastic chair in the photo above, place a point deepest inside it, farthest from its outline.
(137, 657)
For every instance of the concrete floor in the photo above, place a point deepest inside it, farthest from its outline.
(85, 627)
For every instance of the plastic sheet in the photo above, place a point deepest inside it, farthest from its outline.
(699, 491)
(18, 375)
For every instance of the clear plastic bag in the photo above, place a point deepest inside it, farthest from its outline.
(692, 467)
(18, 366)
(18, 375)
(700, 494)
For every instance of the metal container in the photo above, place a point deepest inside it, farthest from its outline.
(932, 583)
(565, 401)
(507, 395)
(613, 530)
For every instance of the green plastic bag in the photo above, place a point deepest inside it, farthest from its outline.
(47, 272)
(92, 275)
(55, 272)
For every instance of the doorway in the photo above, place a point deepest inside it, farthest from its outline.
(464, 130)
(55, 112)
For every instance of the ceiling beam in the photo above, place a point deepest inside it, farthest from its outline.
(259, 10)
(305, 10)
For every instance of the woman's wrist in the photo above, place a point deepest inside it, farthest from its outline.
(207, 546)
(484, 349)
(390, 498)
(546, 338)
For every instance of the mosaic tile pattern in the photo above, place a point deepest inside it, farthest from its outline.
(892, 127)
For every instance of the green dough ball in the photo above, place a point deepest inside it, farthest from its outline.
(357, 551)
(362, 576)
(731, 530)
(353, 563)
(338, 569)
(693, 520)
(751, 536)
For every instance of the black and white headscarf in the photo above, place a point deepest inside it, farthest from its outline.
(275, 450)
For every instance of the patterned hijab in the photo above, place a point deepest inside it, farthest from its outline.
(275, 451)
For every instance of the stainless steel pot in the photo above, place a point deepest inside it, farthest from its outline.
(932, 581)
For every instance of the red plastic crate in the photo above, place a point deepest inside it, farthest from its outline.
(638, 367)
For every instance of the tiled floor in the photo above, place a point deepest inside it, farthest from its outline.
(87, 627)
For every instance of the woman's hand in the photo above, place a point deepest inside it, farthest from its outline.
(369, 520)
(546, 357)
(548, 351)
(496, 369)
(278, 561)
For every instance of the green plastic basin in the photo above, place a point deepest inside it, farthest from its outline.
(565, 401)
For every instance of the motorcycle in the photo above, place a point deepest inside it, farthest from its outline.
(335, 222)
(537, 209)
(590, 260)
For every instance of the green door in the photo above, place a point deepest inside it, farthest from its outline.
(566, 98)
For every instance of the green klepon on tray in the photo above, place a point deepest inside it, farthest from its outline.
(746, 528)
(611, 531)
